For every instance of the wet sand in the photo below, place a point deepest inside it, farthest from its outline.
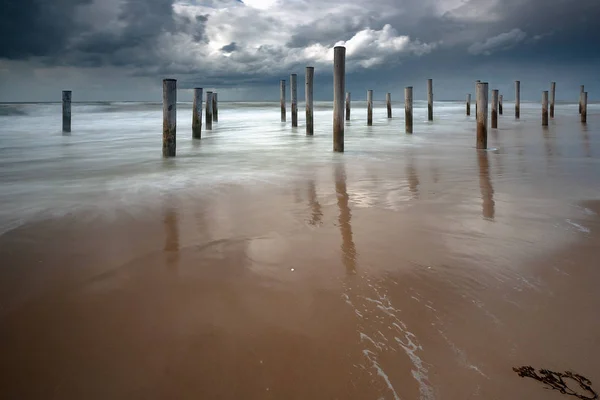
(428, 276)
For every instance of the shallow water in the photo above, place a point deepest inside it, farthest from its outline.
(258, 263)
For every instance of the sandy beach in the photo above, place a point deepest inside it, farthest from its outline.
(406, 268)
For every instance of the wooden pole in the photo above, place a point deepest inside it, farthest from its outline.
(66, 110)
(294, 98)
(584, 98)
(169, 117)
(476, 101)
(197, 114)
(468, 104)
(500, 98)
(552, 98)
(348, 100)
(545, 108)
(495, 109)
(308, 98)
(282, 99)
(209, 113)
(517, 99)
(388, 100)
(215, 107)
(430, 99)
(369, 107)
(482, 114)
(339, 87)
(580, 97)
(408, 109)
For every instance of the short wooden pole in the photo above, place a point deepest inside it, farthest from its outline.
(500, 98)
(581, 90)
(308, 97)
(408, 109)
(369, 107)
(482, 114)
(208, 110)
(495, 109)
(215, 109)
(348, 101)
(66, 110)
(552, 98)
(388, 100)
(545, 108)
(584, 98)
(517, 99)
(430, 99)
(169, 117)
(294, 98)
(197, 114)
(339, 87)
(468, 104)
(282, 99)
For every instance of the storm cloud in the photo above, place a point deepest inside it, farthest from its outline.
(246, 44)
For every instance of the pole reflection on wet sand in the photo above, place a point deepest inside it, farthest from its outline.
(485, 185)
(348, 248)
(317, 213)
(171, 247)
(413, 178)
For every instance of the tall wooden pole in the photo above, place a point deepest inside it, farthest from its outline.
(294, 98)
(66, 110)
(339, 87)
(581, 90)
(500, 98)
(369, 107)
(430, 99)
(482, 114)
(308, 97)
(348, 101)
(495, 109)
(468, 104)
(517, 99)
(208, 111)
(169, 117)
(545, 108)
(408, 109)
(552, 98)
(282, 99)
(215, 107)
(584, 99)
(197, 114)
(388, 101)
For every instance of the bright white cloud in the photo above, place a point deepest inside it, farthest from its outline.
(500, 42)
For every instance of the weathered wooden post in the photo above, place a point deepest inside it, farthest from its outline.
(468, 104)
(500, 98)
(169, 117)
(430, 99)
(517, 99)
(545, 108)
(408, 109)
(294, 98)
(552, 98)
(282, 99)
(209, 111)
(215, 107)
(369, 107)
(339, 87)
(476, 101)
(388, 100)
(66, 110)
(495, 109)
(348, 106)
(308, 97)
(482, 114)
(197, 114)
(581, 90)
(584, 97)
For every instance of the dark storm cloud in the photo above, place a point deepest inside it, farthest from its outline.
(231, 47)
(32, 28)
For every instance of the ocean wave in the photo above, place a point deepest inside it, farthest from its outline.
(10, 110)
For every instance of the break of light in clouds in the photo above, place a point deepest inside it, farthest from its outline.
(121, 49)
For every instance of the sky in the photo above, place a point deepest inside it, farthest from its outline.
(120, 50)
